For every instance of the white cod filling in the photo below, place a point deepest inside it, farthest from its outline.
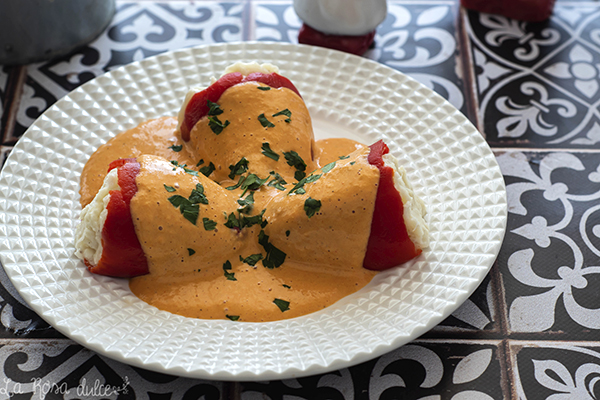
(241, 67)
(88, 237)
(414, 207)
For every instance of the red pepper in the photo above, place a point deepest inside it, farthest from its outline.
(122, 254)
(525, 10)
(350, 44)
(197, 107)
(389, 244)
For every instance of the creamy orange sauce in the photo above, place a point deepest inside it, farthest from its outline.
(324, 252)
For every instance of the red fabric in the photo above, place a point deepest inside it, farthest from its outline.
(122, 254)
(350, 44)
(525, 10)
(389, 244)
(197, 107)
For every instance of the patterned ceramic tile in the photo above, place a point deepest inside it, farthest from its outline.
(537, 83)
(138, 30)
(60, 369)
(550, 260)
(417, 38)
(556, 370)
(420, 370)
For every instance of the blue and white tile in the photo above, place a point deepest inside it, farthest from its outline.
(550, 259)
(456, 370)
(556, 370)
(417, 38)
(537, 83)
(53, 369)
(137, 31)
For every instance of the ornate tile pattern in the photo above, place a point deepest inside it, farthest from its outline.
(420, 370)
(537, 83)
(550, 260)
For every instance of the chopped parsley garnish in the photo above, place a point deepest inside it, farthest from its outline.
(233, 317)
(353, 162)
(263, 88)
(266, 150)
(240, 222)
(299, 175)
(169, 189)
(213, 108)
(285, 112)
(209, 224)
(191, 252)
(200, 162)
(328, 167)
(246, 203)
(215, 124)
(237, 185)
(299, 187)
(282, 304)
(264, 121)
(252, 259)
(190, 207)
(229, 275)
(287, 233)
(275, 257)
(343, 157)
(311, 206)
(252, 182)
(286, 286)
(277, 181)
(176, 149)
(185, 169)
(207, 169)
(294, 160)
(239, 168)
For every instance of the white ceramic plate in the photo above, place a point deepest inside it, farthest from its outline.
(447, 160)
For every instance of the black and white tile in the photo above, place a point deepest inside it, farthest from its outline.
(537, 83)
(138, 30)
(550, 260)
(432, 370)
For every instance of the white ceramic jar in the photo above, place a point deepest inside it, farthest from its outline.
(342, 17)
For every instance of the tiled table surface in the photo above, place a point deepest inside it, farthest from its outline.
(531, 330)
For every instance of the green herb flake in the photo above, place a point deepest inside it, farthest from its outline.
(264, 121)
(311, 206)
(197, 196)
(175, 148)
(200, 163)
(275, 257)
(246, 203)
(252, 182)
(215, 124)
(207, 169)
(294, 160)
(266, 150)
(191, 252)
(286, 286)
(213, 108)
(239, 168)
(277, 181)
(209, 224)
(169, 189)
(287, 233)
(299, 187)
(282, 304)
(328, 167)
(299, 175)
(265, 88)
(233, 222)
(188, 210)
(252, 259)
(229, 275)
(285, 112)
(343, 157)
(237, 185)
(233, 317)
(353, 162)
(185, 169)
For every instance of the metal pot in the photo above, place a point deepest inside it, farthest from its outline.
(36, 30)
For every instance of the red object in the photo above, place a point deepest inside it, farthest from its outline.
(122, 254)
(389, 244)
(197, 107)
(350, 44)
(525, 10)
